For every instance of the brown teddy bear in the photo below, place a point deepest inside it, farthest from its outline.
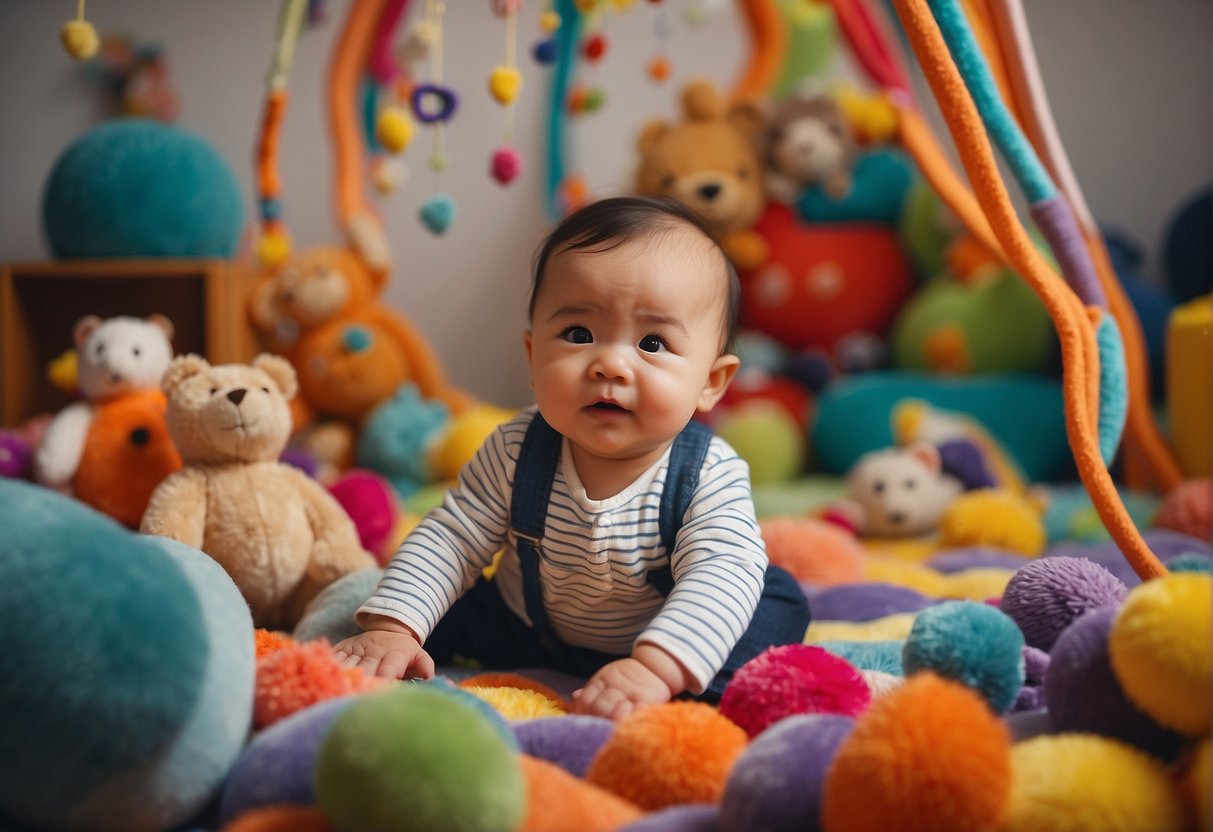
(280, 536)
(809, 142)
(710, 162)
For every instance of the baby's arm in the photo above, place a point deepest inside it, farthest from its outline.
(387, 648)
(649, 676)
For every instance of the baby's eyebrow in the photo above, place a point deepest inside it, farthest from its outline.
(574, 310)
(663, 320)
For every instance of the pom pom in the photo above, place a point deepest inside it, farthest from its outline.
(1160, 650)
(437, 213)
(881, 683)
(929, 757)
(659, 756)
(281, 819)
(504, 84)
(1045, 596)
(813, 551)
(992, 517)
(1084, 696)
(777, 781)
(659, 69)
(269, 641)
(299, 675)
(516, 703)
(544, 52)
(557, 801)
(678, 819)
(1083, 783)
(1186, 509)
(505, 165)
(394, 129)
(1194, 784)
(792, 679)
(568, 741)
(414, 757)
(884, 656)
(971, 643)
(79, 38)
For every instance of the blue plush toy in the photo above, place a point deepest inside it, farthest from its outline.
(132, 694)
(396, 438)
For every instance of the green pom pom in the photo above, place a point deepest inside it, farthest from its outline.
(767, 438)
(417, 758)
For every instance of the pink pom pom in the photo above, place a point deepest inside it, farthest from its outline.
(793, 679)
(1186, 509)
(506, 165)
(369, 501)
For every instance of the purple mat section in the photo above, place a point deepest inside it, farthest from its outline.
(1166, 544)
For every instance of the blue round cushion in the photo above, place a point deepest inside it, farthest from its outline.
(140, 188)
(134, 691)
(881, 181)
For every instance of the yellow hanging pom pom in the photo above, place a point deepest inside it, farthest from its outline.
(79, 39)
(549, 22)
(394, 129)
(274, 247)
(505, 83)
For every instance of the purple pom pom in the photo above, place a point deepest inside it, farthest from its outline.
(1044, 596)
(568, 741)
(687, 818)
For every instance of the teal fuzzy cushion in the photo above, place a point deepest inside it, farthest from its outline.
(139, 188)
(881, 181)
(133, 691)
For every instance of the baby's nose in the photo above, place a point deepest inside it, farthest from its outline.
(611, 365)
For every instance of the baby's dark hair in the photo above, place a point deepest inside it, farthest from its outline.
(607, 223)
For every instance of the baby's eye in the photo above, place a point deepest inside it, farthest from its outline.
(652, 343)
(577, 335)
(878, 486)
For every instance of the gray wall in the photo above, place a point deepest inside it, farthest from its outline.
(1129, 83)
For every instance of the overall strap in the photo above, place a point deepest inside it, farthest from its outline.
(689, 451)
(533, 477)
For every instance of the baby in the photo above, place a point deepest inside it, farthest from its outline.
(632, 555)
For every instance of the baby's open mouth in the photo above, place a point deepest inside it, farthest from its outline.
(608, 406)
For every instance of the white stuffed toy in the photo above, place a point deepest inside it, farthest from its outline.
(897, 492)
(113, 357)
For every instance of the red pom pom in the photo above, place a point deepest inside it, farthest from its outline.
(594, 47)
(506, 165)
(793, 679)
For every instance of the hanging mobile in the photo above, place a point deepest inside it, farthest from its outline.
(504, 85)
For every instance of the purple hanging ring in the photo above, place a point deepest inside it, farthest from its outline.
(446, 99)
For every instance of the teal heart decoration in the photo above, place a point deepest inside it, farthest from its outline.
(438, 213)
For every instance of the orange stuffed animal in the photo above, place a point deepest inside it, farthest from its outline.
(322, 312)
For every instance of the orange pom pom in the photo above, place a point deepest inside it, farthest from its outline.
(299, 675)
(270, 641)
(814, 551)
(659, 69)
(558, 801)
(928, 757)
(663, 755)
(280, 819)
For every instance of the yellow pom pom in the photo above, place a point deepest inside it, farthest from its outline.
(273, 248)
(64, 372)
(394, 129)
(1085, 783)
(1160, 650)
(549, 22)
(505, 83)
(517, 703)
(992, 517)
(80, 39)
(1194, 784)
(623, 5)
(464, 435)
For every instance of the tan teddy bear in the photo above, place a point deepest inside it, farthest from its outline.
(280, 536)
(711, 163)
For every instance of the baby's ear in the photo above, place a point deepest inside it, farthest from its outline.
(182, 367)
(280, 371)
(85, 327)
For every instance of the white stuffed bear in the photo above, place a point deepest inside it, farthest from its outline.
(114, 356)
(897, 492)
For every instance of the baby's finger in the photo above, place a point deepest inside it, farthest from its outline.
(422, 666)
(350, 661)
(623, 709)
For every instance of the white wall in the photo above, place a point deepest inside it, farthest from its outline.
(1129, 82)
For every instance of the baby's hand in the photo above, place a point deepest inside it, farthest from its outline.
(619, 688)
(388, 653)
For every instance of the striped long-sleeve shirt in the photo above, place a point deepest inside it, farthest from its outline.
(595, 557)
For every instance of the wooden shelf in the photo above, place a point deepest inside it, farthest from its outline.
(41, 302)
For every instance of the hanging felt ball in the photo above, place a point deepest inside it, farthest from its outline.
(659, 68)
(623, 5)
(439, 161)
(505, 84)
(438, 213)
(549, 22)
(394, 129)
(388, 174)
(80, 39)
(417, 44)
(274, 247)
(544, 52)
(594, 48)
(577, 99)
(594, 99)
(505, 165)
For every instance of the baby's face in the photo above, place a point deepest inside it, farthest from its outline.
(625, 344)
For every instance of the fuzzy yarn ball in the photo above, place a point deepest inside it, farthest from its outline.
(269, 641)
(884, 656)
(929, 757)
(516, 703)
(974, 644)
(995, 518)
(299, 675)
(792, 679)
(688, 818)
(881, 683)
(813, 551)
(1187, 509)
(664, 755)
(1160, 650)
(1087, 783)
(557, 801)
(1044, 596)
(1084, 696)
(776, 784)
(1194, 781)
(568, 741)
(416, 757)
(518, 681)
